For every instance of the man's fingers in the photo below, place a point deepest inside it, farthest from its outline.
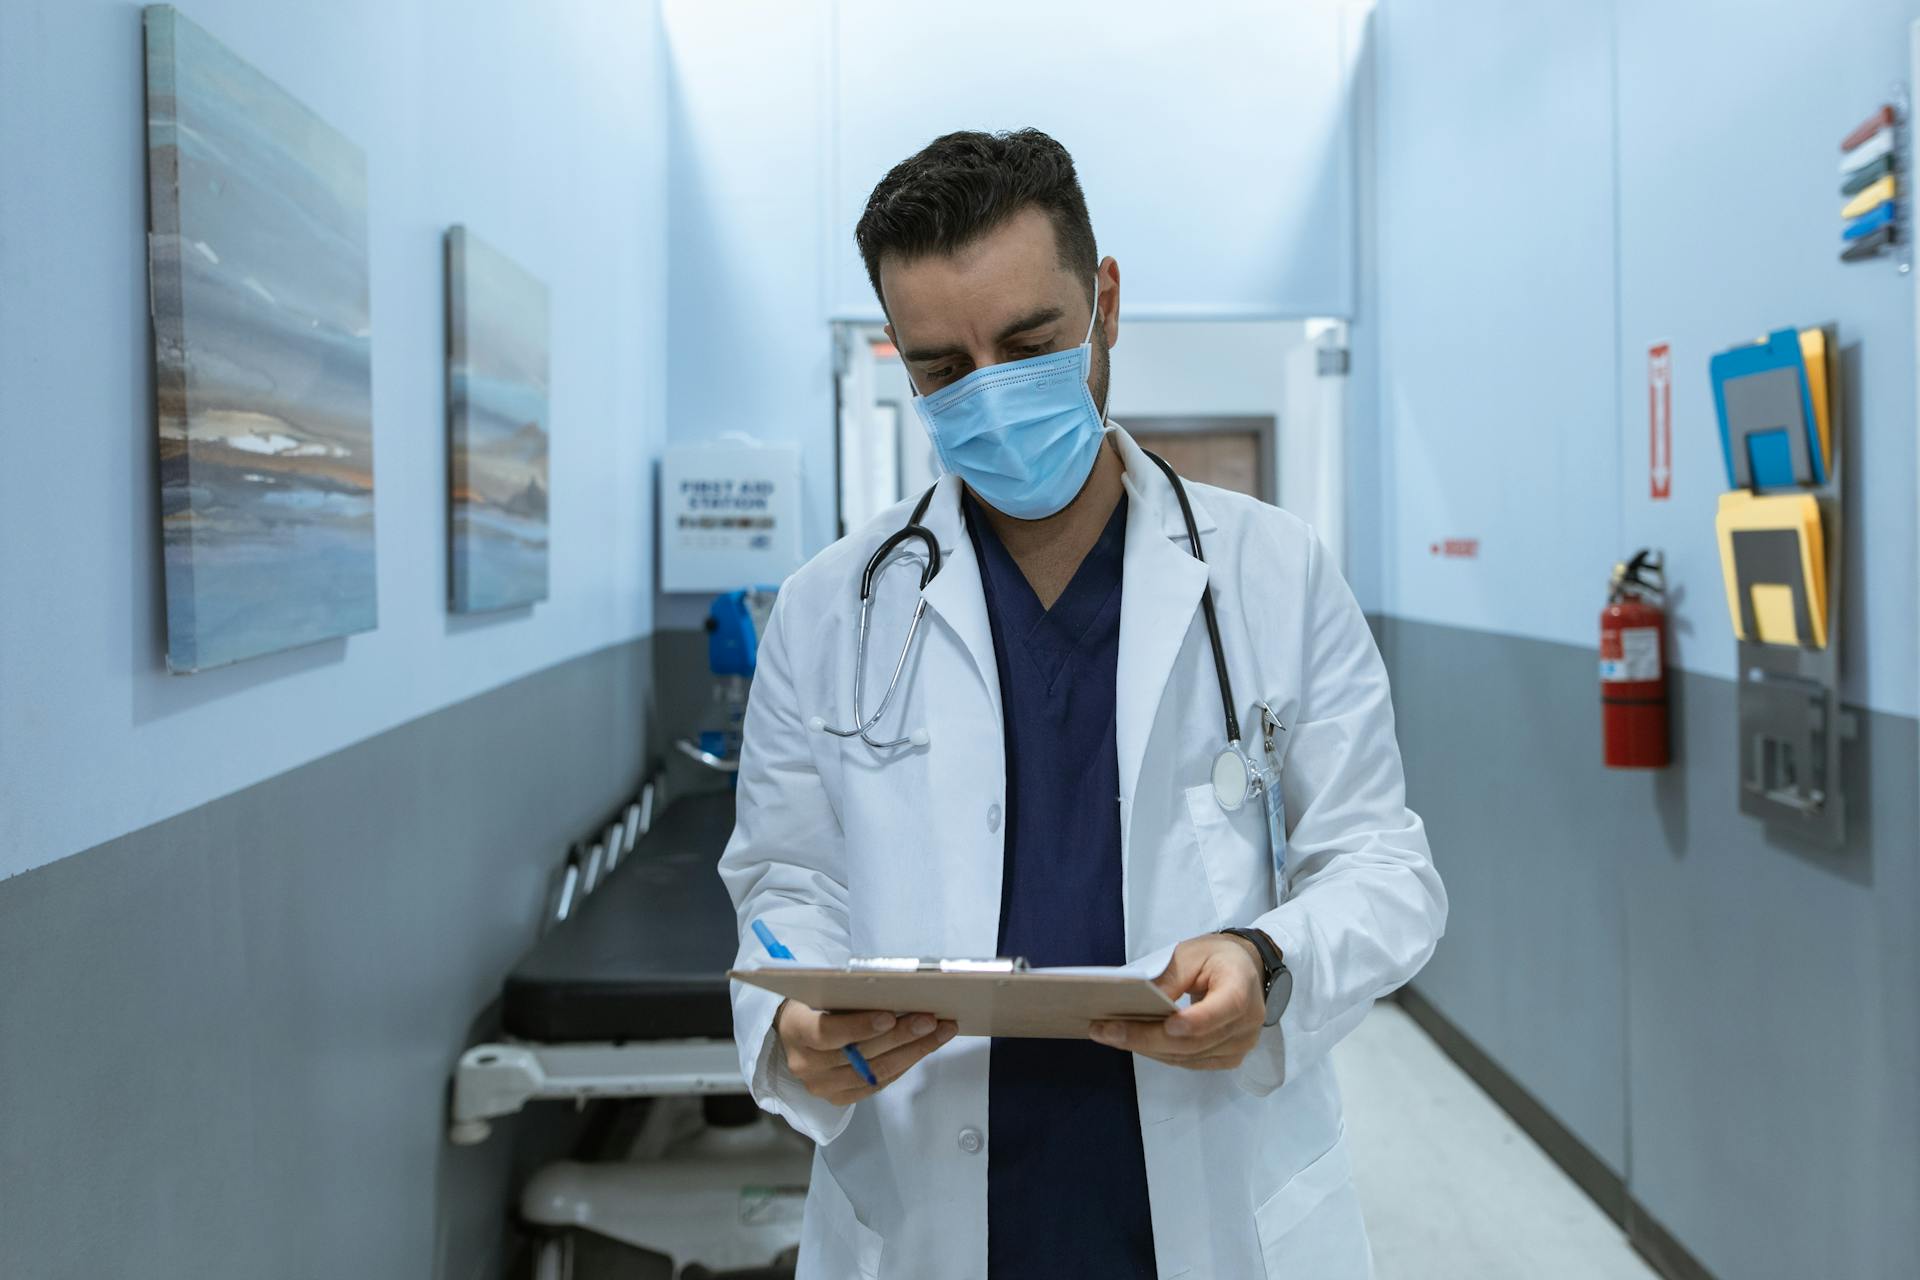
(891, 1065)
(910, 1029)
(838, 1083)
(806, 1060)
(1209, 1018)
(1151, 1038)
(838, 1030)
(1179, 974)
(818, 1059)
(823, 1076)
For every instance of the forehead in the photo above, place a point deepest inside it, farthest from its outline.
(1005, 274)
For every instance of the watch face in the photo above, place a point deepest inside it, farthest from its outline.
(1278, 995)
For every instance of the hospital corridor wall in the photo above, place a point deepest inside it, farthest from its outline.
(783, 116)
(1714, 1027)
(250, 917)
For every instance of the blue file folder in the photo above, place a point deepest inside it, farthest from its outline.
(1768, 432)
(1869, 222)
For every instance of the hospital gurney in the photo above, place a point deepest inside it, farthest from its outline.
(627, 998)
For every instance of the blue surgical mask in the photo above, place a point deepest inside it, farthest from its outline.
(1024, 435)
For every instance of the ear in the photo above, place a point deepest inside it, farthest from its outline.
(1109, 304)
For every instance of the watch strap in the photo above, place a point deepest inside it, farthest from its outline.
(1271, 961)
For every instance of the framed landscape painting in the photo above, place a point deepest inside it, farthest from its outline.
(257, 261)
(496, 428)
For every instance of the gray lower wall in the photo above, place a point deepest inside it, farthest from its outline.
(225, 1040)
(684, 684)
(1731, 1022)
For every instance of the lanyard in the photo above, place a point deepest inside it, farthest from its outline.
(1272, 749)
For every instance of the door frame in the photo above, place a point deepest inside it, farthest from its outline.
(1265, 428)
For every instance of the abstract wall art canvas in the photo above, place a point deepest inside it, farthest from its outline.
(257, 261)
(496, 428)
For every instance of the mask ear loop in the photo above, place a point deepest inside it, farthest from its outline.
(1086, 345)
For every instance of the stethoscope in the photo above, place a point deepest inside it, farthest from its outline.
(1237, 775)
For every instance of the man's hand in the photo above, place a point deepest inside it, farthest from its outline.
(813, 1044)
(1220, 1027)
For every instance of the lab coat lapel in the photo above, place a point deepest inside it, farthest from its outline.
(955, 593)
(1161, 588)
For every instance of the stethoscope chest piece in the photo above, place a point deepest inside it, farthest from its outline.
(1234, 777)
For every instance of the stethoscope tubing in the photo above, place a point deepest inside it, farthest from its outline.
(1206, 597)
(863, 725)
(914, 530)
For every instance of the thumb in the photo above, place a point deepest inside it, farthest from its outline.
(1180, 973)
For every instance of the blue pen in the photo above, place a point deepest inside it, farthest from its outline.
(778, 951)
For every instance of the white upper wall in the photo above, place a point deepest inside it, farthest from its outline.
(1730, 228)
(1213, 150)
(1495, 322)
(1213, 147)
(542, 128)
(1561, 186)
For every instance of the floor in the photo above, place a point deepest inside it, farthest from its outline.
(1450, 1186)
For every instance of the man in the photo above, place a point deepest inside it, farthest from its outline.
(1049, 792)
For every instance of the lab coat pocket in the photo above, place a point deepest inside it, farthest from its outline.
(850, 1248)
(1238, 877)
(1312, 1226)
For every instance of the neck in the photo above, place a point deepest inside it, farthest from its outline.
(1049, 550)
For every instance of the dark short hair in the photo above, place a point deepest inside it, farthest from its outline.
(963, 185)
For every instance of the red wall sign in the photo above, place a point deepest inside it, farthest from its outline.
(1660, 421)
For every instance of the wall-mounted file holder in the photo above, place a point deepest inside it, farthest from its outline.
(1780, 543)
(1876, 210)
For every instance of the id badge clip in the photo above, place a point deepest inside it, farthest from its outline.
(1273, 738)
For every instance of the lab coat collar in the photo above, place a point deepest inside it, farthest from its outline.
(955, 593)
(1146, 486)
(1148, 489)
(1159, 595)
(1162, 585)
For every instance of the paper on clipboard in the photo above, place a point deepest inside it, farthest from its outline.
(1055, 1003)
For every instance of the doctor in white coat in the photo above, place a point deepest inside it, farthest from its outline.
(980, 250)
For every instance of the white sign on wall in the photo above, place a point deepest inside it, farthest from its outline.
(729, 516)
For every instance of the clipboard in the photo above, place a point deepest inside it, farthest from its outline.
(984, 997)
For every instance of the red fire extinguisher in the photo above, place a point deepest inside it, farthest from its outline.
(1633, 665)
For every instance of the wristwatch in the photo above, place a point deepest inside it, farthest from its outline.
(1276, 980)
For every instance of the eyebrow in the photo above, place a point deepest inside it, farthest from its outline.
(1032, 320)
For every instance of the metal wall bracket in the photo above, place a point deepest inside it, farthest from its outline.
(496, 1080)
(1792, 723)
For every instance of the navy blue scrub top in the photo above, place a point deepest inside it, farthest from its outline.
(1066, 1175)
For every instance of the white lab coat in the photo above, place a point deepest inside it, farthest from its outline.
(843, 851)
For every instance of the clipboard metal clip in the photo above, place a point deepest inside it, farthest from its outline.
(929, 964)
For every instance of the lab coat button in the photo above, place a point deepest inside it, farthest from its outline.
(993, 817)
(971, 1140)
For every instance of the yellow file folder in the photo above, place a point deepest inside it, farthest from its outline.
(1869, 196)
(1774, 561)
(1813, 353)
